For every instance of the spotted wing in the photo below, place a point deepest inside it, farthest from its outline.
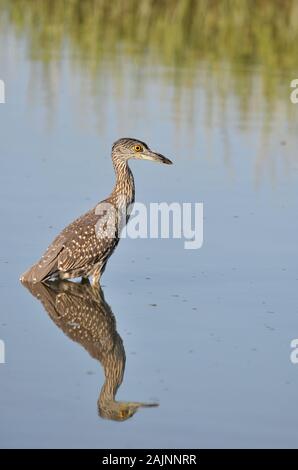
(86, 246)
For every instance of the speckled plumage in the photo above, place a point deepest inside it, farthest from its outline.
(83, 248)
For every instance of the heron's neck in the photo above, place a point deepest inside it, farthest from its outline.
(114, 365)
(124, 189)
(108, 391)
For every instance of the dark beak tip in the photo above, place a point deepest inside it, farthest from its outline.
(162, 159)
(166, 161)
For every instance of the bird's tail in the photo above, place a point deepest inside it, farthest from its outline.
(39, 272)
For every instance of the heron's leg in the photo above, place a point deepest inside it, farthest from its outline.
(64, 275)
(95, 279)
(96, 275)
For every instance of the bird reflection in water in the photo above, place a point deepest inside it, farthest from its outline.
(80, 310)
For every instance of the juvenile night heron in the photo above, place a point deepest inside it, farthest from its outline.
(83, 248)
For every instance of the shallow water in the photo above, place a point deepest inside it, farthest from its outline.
(206, 332)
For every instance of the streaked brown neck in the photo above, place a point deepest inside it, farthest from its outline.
(123, 193)
(114, 364)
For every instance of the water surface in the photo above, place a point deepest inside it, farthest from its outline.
(206, 332)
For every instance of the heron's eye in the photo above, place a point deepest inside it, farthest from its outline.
(138, 148)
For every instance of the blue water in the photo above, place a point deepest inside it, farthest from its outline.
(206, 332)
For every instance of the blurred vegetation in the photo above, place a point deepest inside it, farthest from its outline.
(185, 36)
(176, 32)
(241, 48)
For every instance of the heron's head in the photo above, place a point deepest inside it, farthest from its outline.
(127, 148)
(121, 410)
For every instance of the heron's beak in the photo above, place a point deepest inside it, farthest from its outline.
(155, 157)
(128, 409)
